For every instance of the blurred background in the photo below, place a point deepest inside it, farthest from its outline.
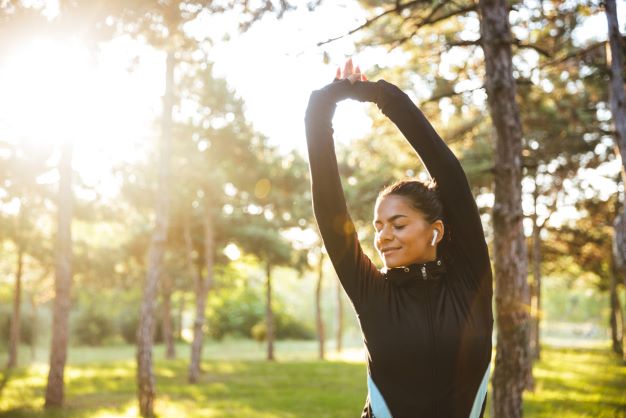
(156, 228)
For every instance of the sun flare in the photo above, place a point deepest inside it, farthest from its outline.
(46, 87)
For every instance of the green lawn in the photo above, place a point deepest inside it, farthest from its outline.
(570, 383)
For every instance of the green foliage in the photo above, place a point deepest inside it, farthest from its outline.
(575, 302)
(128, 323)
(259, 332)
(290, 328)
(26, 328)
(233, 312)
(240, 313)
(287, 328)
(93, 327)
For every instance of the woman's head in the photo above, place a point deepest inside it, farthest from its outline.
(408, 218)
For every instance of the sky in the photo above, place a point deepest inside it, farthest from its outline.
(108, 102)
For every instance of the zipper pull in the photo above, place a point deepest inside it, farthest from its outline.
(424, 276)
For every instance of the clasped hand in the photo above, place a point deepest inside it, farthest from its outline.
(357, 87)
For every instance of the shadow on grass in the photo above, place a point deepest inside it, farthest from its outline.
(5, 375)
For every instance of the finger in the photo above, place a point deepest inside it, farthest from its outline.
(357, 70)
(338, 73)
(363, 77)
(348, 68)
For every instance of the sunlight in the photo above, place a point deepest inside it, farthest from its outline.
(45, 92)
(54, 91)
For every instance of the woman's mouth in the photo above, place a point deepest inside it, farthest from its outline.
(387, 251)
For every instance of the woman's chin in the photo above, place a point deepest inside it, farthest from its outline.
(391, 263)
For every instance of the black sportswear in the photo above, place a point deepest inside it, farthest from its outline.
(427, 328)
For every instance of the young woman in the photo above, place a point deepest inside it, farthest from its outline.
(426, 317)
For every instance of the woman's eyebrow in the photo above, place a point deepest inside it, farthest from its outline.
(391, 219)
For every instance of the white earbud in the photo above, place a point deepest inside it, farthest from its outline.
(435, 235)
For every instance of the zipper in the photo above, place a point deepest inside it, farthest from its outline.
(424, 275)
(431, 327)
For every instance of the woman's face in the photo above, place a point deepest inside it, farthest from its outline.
(403, 235)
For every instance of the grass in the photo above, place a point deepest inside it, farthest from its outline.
(577, 383)
(100, 382)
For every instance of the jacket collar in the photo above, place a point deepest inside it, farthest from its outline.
(416, 273)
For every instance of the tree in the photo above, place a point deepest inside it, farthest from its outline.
(166, 312)
(25, 162)
(319, 320)
(618, 97)
(281, 204)
(202, 284)
(510, 259)
(272, 250)
(145, 375)
(63, 279)
(339, 316)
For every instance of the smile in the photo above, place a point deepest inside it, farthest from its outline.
(386, 251)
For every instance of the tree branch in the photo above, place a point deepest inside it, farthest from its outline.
(450, 94)
(396, 9)
(430, 20)
(574, 55)
(525, 45)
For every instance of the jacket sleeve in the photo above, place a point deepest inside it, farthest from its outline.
(461, 213)
(355, 270)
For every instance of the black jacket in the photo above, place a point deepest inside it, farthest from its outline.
(427, 328)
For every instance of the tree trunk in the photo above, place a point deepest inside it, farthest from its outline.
(14, 336)
(318, 306)
(34, 325)
(179, 319)
(339, 335)
(535, 334)
(269, 313)
(535, 288)
(168, 331)
(534, 297)
(145, 375)
(617, 94)
(616, 319)
(63, 281)
(619, 262)
(203, 285)
(510, 258)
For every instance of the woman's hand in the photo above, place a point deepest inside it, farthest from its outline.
(350, 73)
(339, 90)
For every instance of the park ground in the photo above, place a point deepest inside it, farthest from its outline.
(237, 382)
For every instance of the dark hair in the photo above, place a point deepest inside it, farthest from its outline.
(422, 196)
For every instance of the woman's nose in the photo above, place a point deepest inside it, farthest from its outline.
(385, 234)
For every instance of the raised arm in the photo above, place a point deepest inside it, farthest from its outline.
(354, 268)
(461, 212)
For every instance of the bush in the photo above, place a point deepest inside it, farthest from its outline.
(241, 313)
(26, 327)
(92, 327)
(128, 324)
(259, 332)
(233, 312)
(288, 327)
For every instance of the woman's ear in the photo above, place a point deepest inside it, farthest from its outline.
(438, 231)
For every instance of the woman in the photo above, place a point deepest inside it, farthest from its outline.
(426, 317)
